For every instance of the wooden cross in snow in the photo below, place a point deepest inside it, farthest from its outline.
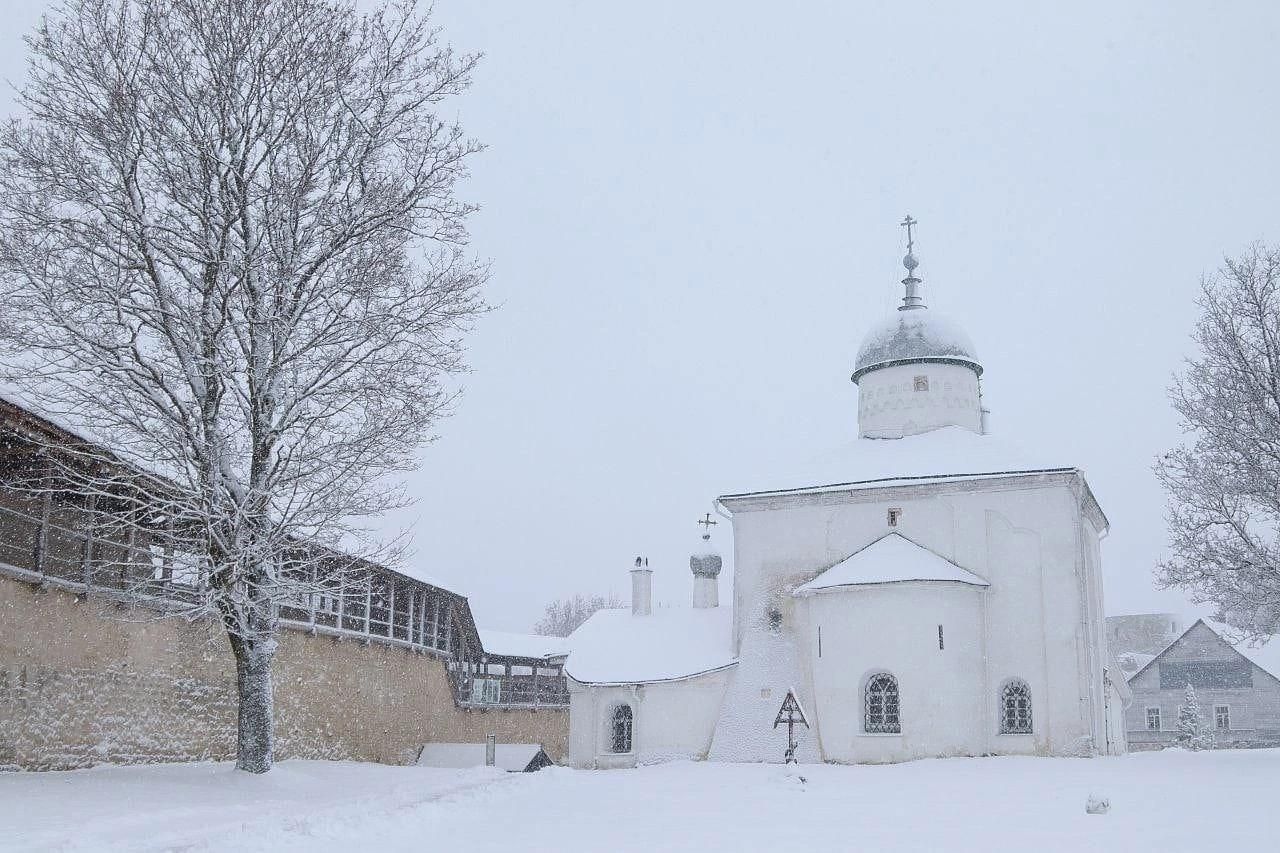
(791, 713)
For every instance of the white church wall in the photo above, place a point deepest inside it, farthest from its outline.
(1117, 737)
(1097, 624)
(1033, 619)
(1025, 535)
(853, 633)
(768, 664)
(893, 402)
(670, 720)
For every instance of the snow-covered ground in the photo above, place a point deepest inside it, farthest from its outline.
(1169, 801)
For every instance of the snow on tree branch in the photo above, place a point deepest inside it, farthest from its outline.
(233, 251)
(1224, 483)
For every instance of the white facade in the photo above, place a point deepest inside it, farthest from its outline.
(943, 598)
(1033, 538)
(669, 720)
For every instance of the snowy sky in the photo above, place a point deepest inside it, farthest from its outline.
(692, 215)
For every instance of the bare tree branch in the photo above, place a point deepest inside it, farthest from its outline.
(562, 617)
(1224, 484)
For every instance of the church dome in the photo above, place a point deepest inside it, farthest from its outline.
(705, 561)
(917, 371)
(915, 335)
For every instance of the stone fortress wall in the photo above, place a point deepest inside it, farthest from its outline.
(88, 680)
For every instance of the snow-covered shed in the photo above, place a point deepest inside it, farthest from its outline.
(512, 757)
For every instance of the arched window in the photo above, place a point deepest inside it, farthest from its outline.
(1015, 708)
(620, 729)
(881, 704)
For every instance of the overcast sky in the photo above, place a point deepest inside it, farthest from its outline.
(692, 209)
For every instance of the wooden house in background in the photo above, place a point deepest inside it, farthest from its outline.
(1239, 697)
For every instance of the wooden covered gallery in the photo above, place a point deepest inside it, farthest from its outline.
(65, 567)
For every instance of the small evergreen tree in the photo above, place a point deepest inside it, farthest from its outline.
(1192, 731)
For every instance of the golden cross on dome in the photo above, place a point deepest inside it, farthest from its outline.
(706, 525)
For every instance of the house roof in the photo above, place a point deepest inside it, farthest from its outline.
(513, 757)
(1266, 656)
(533, 646)
(672, 643)
(893, 558)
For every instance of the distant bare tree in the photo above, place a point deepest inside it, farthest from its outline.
(562, 617)
(233, 249)
(1224, 484)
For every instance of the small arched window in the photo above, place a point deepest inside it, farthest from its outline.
(880, 704)
(620, 729)
(1015, 708)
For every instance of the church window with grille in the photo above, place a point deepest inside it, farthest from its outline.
(1153, 719)
(1015, 708)
(1222, 717)
(881, 705)
(620, 729)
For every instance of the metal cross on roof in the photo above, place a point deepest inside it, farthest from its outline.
(907, 223)
(706, 524)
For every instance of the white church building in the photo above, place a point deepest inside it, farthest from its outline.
(928, 590)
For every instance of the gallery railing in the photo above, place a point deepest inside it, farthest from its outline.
(385, 609)
(543, 686)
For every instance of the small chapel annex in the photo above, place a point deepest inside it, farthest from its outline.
(927, 590)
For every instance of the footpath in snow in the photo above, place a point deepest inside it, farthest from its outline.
(1169, 801)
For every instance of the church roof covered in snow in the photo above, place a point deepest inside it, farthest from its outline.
(913, 336)
(671, 643)
(947, 453)
(892, 558)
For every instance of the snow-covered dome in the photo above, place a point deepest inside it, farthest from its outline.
(917, 371)
(705, 561)
(915, 335)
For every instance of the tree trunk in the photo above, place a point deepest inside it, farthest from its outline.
(255, 731)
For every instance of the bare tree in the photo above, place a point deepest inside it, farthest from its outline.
(562, 617)
(234, 251)
(1224, 483)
